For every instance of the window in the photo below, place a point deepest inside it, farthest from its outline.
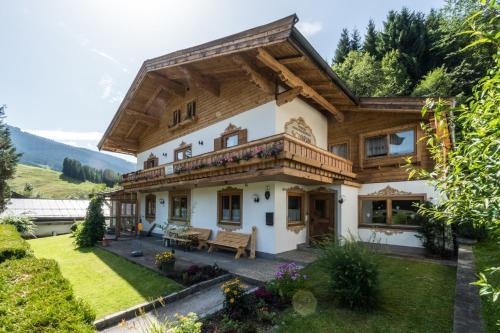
(395, 211)
(179, 206)
(231, 140)
(340, 149)
(151, 162)
(150, 206)
(176, 117)
(182, 153)
(295, 208)
(191, 110)
(230, 206)
(390, 144)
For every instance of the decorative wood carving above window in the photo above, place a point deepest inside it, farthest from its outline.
(151, 162)
(298, 128)
(150, 207)
(231, 137)
(183, 152)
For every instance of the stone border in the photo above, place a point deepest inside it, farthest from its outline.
(136, 310)
(467, 308)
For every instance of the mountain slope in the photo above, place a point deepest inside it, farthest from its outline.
(44, 152)
(49, 184)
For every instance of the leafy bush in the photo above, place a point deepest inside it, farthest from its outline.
(353, 273)
(34, 297)
(12, 245)
(74, 226)
(23, 224)
(288, 279)
(436, 235)
(93, 227)
(184, 324)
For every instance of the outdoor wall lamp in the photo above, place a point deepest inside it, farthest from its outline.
(267, 194)
(256, 198)
(341, 200)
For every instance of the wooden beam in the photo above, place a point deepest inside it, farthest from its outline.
(201, 81)
(293, 81)
(131, 129)
(123, 144)
(291, 59)
(288, 96)
(153, 97)
(258, 79)
(167, 84)
(150, 120)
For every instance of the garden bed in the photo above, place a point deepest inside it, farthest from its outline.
(195, 274)
(414, 297)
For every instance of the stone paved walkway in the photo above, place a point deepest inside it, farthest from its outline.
(257, 270)
(202, 303)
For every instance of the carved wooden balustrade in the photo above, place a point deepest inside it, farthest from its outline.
(276, 155)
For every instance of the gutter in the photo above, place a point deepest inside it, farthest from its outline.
(303, 44)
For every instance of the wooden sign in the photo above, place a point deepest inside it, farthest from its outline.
(298, 128)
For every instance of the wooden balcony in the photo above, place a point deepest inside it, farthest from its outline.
(278, 157)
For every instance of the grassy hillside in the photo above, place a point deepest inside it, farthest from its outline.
(49, 184)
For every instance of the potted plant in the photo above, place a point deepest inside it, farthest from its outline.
(165, 261)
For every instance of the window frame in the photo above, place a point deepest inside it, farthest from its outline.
(191, 114)
(376, 161)
(183, 149)
(229, 192)
(179, 194)
(302, 197)
(176, 117)
(388, 199)
(151, 162)
(348, 150)
(150, 207)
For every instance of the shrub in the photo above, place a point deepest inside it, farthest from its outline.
(24, 224)
(165, 261)
(353, 273)
(93, 226)
(234, 302)
(74, 226)
(288, 279)
(436, 235)
(184, 324)
(12, 245)
(34, 297)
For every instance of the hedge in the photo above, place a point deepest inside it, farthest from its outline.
(34, 297)
(12, 245)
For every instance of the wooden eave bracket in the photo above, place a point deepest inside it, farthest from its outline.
(167, 84)
(288, 96)
(255, 77)
(202, 81)
(294, 81)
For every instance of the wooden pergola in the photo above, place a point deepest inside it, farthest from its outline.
(125, 208)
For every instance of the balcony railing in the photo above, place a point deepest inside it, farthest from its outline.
(281, 150)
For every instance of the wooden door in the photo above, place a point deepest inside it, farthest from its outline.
(321, 215)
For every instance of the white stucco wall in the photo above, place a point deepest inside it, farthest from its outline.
(259, 121)
(315, 119)
(45, 229)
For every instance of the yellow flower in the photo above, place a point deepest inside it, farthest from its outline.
(235, 292)
(231, 300)
(226, 290)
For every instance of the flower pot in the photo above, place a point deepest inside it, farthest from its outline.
(167, 266)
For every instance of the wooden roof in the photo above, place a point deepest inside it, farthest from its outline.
(275, 52)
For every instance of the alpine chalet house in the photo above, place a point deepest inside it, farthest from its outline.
(255, 129)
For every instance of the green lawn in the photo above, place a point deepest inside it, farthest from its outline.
(109, 283)
(49, 184)
(487, 254)
(415, 297)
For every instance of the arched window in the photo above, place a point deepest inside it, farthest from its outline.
(150, 206)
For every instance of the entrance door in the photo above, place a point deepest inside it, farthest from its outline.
(321, 215)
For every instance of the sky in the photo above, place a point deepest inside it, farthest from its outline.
(65, 66)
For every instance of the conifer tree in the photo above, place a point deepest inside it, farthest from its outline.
(8, 160)
(355, 42)
(370, 44)
(343, 47)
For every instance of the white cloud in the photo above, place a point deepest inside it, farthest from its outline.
(309, 28)
(59, 135)
(110, 58)
(106, 83)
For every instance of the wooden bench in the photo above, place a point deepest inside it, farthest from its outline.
(233, 241)
(203, 236)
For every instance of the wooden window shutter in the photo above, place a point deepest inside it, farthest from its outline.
(242, 136)
(218, 143)
(145, 165)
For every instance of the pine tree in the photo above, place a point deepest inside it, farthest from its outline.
(355, 42)
(370, 44)
(8, 160)
(343, 47)
(93, 227)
